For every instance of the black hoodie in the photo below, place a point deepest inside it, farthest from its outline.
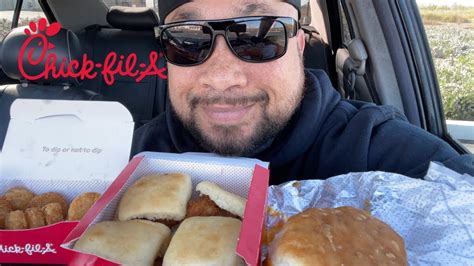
(327, 136)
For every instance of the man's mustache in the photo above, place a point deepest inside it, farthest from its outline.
(229, 99)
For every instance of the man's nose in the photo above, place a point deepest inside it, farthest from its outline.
(223, 70)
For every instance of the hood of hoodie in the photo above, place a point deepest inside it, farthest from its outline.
(298, 135)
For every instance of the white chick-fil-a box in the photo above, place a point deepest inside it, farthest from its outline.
(67, 147)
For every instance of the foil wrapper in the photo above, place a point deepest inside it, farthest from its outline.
(434, 216)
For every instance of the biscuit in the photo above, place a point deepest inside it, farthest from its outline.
(341, 236)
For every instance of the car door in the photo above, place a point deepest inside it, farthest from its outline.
(399, 68)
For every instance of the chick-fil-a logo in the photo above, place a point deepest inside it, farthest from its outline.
(86, 69)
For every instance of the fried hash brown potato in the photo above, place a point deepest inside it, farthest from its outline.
(34, 217)
(204, 206)
(53, 213)
(50, 197)
(81, 204)
(19, 197)
(16, 220)
(5, 208)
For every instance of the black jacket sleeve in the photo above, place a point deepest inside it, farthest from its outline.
(398, 146)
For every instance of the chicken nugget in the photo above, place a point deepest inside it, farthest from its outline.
(81, 204)
(19, 197)
(46, 198)
(53, 213)
(204, 206)
(34, 217)
(5, 208)
(16, 220)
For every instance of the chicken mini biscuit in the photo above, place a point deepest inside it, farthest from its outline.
(215, 201)
(205, 241)
(157, 198)
(135, 243)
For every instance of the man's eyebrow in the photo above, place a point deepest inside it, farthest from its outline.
(255, 8)
(184, 15)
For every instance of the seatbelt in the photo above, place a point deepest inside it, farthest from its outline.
(355, 66)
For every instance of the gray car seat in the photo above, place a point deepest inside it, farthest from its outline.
(131, 31)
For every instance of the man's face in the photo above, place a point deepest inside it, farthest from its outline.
(232, 106)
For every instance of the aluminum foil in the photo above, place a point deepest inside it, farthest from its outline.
(435, 216)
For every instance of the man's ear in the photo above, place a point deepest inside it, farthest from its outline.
(300, 35)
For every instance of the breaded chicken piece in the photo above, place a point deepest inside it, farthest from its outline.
(5, 208)
(81, 204)
(16, 220)
(34, 217)
(41, 200)
(19, 197)
(53, 213)
(204, 206)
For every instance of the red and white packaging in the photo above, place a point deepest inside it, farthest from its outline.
(68, 147)
(246, 177)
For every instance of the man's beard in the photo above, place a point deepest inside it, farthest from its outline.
(228, 140)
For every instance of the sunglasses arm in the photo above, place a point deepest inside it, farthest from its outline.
(157, 32)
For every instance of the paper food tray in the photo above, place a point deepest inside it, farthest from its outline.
(246, 177)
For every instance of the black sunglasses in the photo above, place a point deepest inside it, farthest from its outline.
(252, 39)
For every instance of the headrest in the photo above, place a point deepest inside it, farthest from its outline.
(132, 18)
(66, 46)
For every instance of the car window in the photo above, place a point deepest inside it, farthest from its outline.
(133, 3)
(450, 31)
(30, 11)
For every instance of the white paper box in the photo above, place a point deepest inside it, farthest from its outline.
(68, 147)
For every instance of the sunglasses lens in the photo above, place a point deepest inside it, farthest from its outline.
(258, 40)
(186, 44)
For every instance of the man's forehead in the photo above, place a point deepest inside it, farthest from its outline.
(204, 9)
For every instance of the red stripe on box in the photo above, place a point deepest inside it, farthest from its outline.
(250, 238)
(104, 200)
(36, 245)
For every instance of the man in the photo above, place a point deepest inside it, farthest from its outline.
(237, 87)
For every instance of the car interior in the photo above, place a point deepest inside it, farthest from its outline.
(359, 43)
